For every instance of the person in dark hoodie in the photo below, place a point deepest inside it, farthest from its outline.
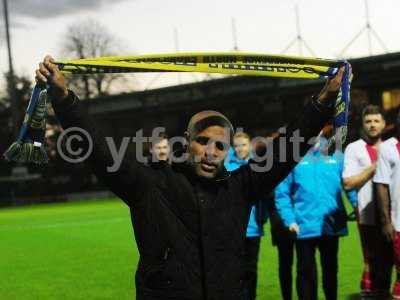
(190, 217)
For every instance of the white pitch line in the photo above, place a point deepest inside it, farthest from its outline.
(62, 224)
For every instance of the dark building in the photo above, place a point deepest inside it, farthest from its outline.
(254, 103)
(259, 105)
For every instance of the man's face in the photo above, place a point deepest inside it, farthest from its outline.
(373, 125)
(161, 150)
(242, 147)
(207, 151)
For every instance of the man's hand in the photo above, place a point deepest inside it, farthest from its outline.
(294, 228)
(48, 73)
(389, 232)
(332, 86)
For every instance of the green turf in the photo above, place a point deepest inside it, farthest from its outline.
(86, 250)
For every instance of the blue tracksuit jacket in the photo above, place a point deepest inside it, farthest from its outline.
(311, 195)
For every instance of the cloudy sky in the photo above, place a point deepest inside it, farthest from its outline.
(147, 26)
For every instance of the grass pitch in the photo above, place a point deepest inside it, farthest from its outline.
(86, 250)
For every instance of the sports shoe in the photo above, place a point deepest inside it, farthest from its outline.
(381, 294)
(396, 291)
(367, 295)
(366, 284)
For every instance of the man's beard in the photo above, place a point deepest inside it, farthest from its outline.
(206, 169)
(162, 156)
(372, 137)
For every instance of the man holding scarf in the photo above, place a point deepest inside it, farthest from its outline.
(190, 218)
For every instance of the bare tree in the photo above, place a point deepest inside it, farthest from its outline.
(23, 89)
(22, 93)
(91, 39)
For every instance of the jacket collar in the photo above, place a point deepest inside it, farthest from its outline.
(233, 159)
(158, 164)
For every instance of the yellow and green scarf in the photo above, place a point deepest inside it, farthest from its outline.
(29, 146)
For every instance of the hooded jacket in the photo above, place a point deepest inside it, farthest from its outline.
(190, 232)
(311, 195)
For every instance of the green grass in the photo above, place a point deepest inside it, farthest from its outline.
(86, 250)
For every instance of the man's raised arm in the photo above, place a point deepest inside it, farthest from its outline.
(124, 181)
(279, 157)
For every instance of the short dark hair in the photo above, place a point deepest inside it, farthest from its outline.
(372, 109)
(156, 139)
(207, 118)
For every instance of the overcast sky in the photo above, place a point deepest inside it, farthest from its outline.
(147, 26)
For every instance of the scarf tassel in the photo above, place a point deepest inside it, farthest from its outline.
(29, 147)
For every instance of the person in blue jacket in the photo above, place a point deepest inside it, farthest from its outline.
(238, 156)
(309, 201)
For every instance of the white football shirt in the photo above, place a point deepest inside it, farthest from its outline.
(356, 160)
(388, 172)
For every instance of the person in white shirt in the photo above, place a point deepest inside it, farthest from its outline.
(387, 180)
(359, 168)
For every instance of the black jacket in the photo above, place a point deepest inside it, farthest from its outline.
(190, 232)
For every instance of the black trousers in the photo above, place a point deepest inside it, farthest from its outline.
(307, 283)
(252, 248)
(285, 254)
(383, 263)
(284, 240)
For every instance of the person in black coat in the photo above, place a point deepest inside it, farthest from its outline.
(190, 217)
